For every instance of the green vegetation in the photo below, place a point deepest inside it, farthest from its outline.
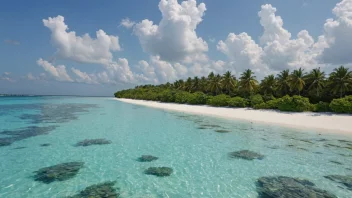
(295, 91)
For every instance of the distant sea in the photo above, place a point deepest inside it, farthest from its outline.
(38, 132)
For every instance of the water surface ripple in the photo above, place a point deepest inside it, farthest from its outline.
(196, 148)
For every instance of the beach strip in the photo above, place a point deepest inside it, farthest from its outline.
(326, 122)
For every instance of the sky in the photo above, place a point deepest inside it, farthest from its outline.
(96, 48)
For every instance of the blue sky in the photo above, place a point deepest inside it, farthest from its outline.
(38, 59)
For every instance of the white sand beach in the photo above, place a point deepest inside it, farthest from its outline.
(326, 122)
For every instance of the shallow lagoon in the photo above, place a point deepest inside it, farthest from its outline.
(189, 144)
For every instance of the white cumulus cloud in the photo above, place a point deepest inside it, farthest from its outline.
(174, 38)
(277, 49)
(84, 77)
(127, 23)
(82, 49)
(338, 35)
(59, 72)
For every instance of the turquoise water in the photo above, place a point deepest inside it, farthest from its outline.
(199, 157)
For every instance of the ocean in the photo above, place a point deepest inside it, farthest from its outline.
(39, 132)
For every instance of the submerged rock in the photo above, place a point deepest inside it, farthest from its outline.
(336, 162)
(287, 187)
(246, 154)
(343, 179)
(5, 141)
(89, 142)
(202, 127)
(273, 147)
(102, 190)
(44, 145)
(345, 141)
(23, 133)
(59, 172)
(210, 125)
(147, 158)
(306, 141)
(303, 149)
(20, 147)
(159, 171)
(56, 113)
(222, 131)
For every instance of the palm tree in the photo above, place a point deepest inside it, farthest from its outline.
(296, 80)
(228, 82)
(248, 83)
(188, 84)
(268, 85)
(316, 80)
(179, 84)
(215, 84)
(211, 75)
(283, 82)
(340, 80)
(195, 84)
(203, 84)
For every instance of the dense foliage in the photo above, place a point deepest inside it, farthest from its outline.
(342, 105)
(289, 91)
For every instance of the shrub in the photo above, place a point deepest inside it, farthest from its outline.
(262, 105)
(181, 97)
(197, 98)
(167, 96)
(342, 105)
(295, 103)
(267, 98)
(237, 102)
(322, 107)
(256, 99)
(219, 100)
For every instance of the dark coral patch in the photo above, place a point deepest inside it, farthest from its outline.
(89, 142)
(59, 172)
(159, 171)
(282, 187)
(102, 190)
(343, 179)
(147, 158)
(246, 154)
(222, 131)
(23, 133)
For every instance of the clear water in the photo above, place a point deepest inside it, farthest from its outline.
(199, 157)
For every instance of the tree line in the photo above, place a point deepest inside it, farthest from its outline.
(314, 87)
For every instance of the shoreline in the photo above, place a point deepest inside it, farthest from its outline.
(330, 122)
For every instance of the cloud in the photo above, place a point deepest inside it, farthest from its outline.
(6, 77)
(127, 23)
(12, 42)
(85, 49)
(82, 49)
(276, 51)
(30, 76)
(174, 38)
(120, 71)
(212, 40)
(83, 77)
(338, 35)
(147, 72)
(242, 51)
(58, 73)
